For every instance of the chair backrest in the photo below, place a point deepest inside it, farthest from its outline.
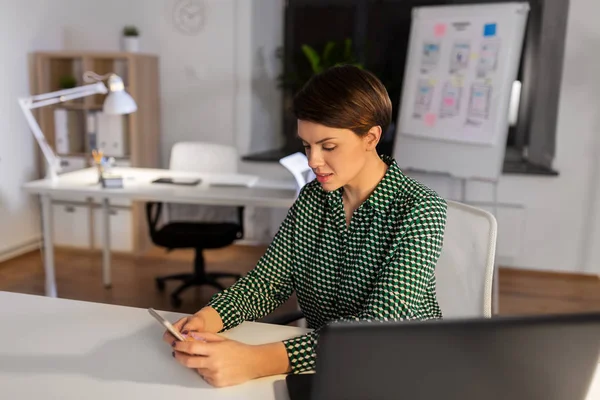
(208, 158)
(203, 157)
(465, 270)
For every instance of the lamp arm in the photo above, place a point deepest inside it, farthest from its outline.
(41, 100)
(59, 96)
(53, 161)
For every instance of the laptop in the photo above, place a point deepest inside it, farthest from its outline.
(550, 357)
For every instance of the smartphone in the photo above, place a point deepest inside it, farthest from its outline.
(166, 324)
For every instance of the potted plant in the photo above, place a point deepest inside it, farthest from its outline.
(333, 54)
(131, 41)
(67, 82)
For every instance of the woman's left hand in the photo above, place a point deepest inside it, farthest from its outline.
(220, 361)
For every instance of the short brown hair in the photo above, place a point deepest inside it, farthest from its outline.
(345, 97)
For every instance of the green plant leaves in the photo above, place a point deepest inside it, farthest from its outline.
(313, 58)
(333, 54)
(327, 53)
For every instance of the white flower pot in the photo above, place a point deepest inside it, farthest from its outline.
(131, 44)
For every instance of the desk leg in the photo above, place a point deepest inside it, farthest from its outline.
(48, 245)
(106, 247)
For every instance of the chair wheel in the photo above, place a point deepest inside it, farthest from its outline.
(160, 284)
(176, 302)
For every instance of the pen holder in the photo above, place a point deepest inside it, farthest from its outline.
(100, 169)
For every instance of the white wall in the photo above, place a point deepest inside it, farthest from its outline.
(23, 27)
(267, 36)
(259, 33)
(579, 126)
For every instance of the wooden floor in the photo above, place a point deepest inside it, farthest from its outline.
(79, 277)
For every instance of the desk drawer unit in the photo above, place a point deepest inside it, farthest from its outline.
(72, 225)
(121, 235)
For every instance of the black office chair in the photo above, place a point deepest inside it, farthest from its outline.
(181, 232)
(196, 235)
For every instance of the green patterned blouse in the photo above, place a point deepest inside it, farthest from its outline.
(380, 267)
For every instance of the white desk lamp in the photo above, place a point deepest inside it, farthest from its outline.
(117, 102)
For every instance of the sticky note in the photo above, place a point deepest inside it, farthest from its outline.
(432, 82)
(474, 56)
(439, 30)
(457, 81)
(489, 30)
(430, 119)
(449, 101)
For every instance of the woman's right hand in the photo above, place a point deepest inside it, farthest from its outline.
(186, 325)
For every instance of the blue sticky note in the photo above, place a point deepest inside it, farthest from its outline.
(489, 30)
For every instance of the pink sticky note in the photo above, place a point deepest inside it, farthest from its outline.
(449, 101)
(429, 119)
(439, 30)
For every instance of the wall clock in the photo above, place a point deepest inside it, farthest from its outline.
(189, 16)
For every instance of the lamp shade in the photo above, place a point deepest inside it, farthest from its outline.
(118, 100)
(119, 103)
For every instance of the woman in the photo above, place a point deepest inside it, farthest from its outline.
(360, 242)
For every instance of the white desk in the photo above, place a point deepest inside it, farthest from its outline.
(64, 349)
(138, 187)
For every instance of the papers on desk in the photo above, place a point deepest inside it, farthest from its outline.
(236, 180)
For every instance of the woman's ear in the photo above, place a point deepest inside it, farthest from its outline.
(372, 137)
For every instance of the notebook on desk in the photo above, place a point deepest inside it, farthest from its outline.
(178, 181)
(516, 358)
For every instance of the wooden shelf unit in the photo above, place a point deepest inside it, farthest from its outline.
(140, 74)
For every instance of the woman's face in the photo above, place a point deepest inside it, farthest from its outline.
(335, 155)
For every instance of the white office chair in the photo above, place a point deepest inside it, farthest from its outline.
(465, 270)
(208, 158)
(203, 157)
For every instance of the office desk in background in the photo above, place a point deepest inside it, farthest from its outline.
(64, 349)
(226, 190)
